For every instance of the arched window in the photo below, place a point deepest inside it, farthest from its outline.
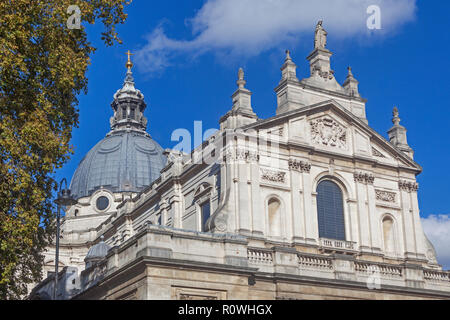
(205, 209)
(330, 210)
(274, 207)
(388, 235)
(202, 198)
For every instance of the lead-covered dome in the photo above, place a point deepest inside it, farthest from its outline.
(124, 161)
(128, 159)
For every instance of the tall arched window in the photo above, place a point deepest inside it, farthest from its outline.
(330, 210)
(388, 235)
(274, 207)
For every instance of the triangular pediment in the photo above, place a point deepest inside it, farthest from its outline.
(329, 127)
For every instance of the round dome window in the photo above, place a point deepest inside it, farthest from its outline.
(102, 203)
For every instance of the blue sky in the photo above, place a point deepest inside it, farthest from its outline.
(188, 54)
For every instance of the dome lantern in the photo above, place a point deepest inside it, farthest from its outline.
(128, 105)
(128, 159)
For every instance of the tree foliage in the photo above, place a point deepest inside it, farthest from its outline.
(42, 70)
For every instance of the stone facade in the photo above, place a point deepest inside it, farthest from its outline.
(261, 239)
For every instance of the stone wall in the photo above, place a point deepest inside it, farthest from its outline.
(165, 263)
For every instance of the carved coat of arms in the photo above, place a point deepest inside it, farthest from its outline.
(328, 132)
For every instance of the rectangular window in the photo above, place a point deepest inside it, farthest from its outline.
(206, 213)
(132, 113)
(124, 113)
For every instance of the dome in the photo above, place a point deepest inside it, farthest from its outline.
(98, 251)
(122, 162)
(128, 159)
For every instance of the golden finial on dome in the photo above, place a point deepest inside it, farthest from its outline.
(129, 64)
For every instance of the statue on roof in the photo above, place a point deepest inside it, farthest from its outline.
(320, 40)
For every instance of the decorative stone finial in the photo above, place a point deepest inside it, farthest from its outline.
(397, 135)
(241, 81)
(241, 74)
(288, 55)
(102, 238)
(396, 120)
(351, 84)
(350, 74)
(289, 69)
(242, 112)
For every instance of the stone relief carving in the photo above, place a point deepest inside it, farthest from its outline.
(328, 132)
(327, 75)
(300, 166)
(277, 132)
(273, 176)
(220, 222)
(364, 177)
(377, 153)
(252, 156)
(408, 186)
(242, 155)
(385, 196)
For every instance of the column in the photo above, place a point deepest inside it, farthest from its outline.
(363, 213)
(310, 209)
(374, 221)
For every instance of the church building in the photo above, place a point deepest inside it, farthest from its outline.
(309, 204)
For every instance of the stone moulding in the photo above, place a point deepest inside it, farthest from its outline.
(386, 196)
(277, 132)
(364, 177)
(273, 176)
(242, 154)
(300, 166)
(408, 186)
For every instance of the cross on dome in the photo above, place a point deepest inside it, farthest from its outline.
(129, 64)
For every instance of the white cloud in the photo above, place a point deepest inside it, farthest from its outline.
(249, 27)
(437, 228)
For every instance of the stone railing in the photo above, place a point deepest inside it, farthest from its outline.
(257, 256)
(337, 245)
(436, 276)
(314, 262)
(383, 270)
